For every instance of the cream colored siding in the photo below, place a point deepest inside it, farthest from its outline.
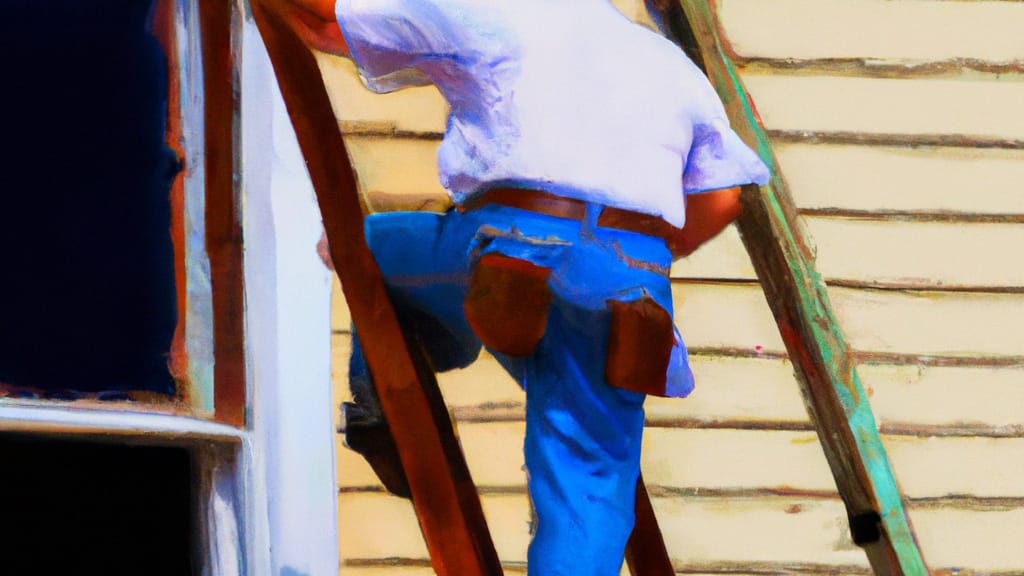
(897, 125)
(719, 534)
(879, 253)
(979, 107)
(885, 179)
(762, 393)
(922, 30)
(716, 461)
(398, 173)
(944, 323)
(390, 571)
(413, 110)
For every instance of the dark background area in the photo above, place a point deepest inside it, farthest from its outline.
(93, 508)
(87, 297)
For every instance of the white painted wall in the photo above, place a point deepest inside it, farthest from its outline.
(288, 324)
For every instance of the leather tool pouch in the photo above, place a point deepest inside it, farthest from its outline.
(640, 341)
(507, 303)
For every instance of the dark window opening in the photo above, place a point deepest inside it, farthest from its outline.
(73, 507)
(87, 292)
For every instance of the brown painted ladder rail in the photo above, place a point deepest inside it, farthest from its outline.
(443, 494)
(446, 502)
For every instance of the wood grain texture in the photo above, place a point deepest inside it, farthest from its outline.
(443, 493)
(164, 15)
(223, 210)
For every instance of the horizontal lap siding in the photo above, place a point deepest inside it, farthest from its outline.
(761, 393)
(985, 108)
(926, 30)
(881, 179)
(695, 462)
(908, 168)
(911, 254)
(412, 111)
(913, 183)
(935, 323)
(715, 534)
(950, 181)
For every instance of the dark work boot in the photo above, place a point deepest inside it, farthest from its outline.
(373, 441)
(367, 431)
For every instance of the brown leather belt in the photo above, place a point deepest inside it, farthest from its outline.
(570, 208)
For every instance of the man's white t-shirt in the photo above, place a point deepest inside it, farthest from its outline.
(567, 96)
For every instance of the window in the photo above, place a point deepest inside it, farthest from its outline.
(89, 299)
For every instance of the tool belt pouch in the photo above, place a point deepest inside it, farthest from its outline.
(507, 303)
(640, 341)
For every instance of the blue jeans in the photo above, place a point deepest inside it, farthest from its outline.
(583, 436)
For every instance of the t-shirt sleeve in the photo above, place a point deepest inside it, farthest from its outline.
(717, 158)
(388, 39)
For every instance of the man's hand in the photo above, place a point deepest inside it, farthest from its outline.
(323, 250)
(314, 22)
(707, 214)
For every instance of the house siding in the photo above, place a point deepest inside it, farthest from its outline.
(897, 125)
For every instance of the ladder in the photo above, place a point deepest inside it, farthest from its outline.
(443, 494)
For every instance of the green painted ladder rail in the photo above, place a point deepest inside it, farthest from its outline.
(782, 255)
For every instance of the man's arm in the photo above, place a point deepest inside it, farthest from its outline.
(314, 22)
(707, 214)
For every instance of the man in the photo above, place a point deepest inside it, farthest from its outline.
(577, 147)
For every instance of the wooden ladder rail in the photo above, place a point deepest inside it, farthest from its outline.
(445, 498)
(443, 495)
(223, 215)
(782, 255)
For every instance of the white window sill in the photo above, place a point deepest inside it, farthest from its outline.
(72, 420)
